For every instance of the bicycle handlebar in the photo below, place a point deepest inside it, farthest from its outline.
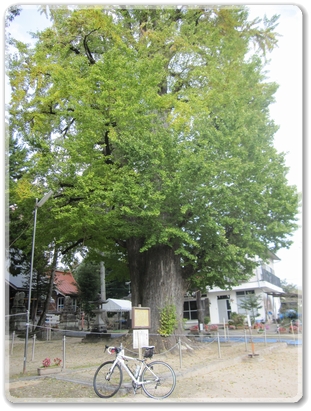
(115, 350)
(112, 350)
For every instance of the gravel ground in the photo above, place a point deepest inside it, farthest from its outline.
(205, 373)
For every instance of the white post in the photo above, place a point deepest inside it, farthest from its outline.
(64, 352)
(219, 354)
(33, 347)
(140, 354)
(12, 345)
(224, 321)
(102, 281)
(245, 340)
(250, 334)
(180, 353)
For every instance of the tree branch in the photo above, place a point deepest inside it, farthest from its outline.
(87, 50)
(76, 244)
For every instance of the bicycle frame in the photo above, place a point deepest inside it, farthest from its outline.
(121, 358)
(157, 379)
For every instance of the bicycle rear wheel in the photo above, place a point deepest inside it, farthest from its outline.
(107, 383)
(159, 380)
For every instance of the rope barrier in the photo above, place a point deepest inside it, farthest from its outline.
(161, 353)
(206, 339)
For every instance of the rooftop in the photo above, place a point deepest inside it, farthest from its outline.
(65, 283)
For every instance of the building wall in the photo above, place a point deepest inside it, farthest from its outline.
(268, 312)
(263, 283)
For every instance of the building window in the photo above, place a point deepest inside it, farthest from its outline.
(60, 303)
(190, 310)
(223, 297)
(244, 293)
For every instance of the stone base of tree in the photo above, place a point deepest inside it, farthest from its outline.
(49, 370)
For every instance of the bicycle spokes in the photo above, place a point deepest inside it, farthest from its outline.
(158, 380)
(107, 380)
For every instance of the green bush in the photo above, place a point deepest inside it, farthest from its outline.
(168, 320)
(237, 319)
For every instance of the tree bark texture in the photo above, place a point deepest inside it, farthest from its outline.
(200, 308)
(51, 285)
(156, 281)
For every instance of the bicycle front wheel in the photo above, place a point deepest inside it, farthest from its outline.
(158, 380)
(107, 381)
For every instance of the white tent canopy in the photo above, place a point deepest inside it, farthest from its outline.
(114, 305)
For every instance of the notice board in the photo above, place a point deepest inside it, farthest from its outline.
(140, 317)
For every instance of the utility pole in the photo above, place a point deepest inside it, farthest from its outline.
(37, 205)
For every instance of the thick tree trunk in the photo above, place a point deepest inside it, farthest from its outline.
(50, 291)
(200, 308)
(156, 281)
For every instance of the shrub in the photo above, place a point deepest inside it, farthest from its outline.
(168, 320)
(237, 319)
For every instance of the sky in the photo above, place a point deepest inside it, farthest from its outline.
(285, 68)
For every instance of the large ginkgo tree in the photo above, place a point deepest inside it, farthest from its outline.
(152, 127)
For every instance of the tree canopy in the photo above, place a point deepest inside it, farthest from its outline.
(152, 127)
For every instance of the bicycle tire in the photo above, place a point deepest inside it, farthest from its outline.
(159, 380)
(107, 384)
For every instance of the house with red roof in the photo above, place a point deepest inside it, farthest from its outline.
(65, 289)
(64, 286)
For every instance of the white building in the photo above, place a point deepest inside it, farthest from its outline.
(218, 304)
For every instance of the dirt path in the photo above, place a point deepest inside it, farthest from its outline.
(203, 374)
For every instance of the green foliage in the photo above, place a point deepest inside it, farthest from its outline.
(290, 299)
(237, 319)
(251, 304)
(152, 124)
(289, 287)
(11, 13)
(88, 280)
(168, 320)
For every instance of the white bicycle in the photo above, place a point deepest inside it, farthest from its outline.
(157, 378)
